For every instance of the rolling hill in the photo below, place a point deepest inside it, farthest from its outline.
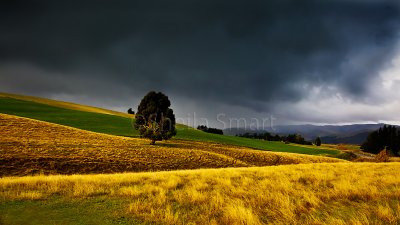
(29, 147)
(355, 139)
(109, 122)
(330, 134)
(65, 105)
(318, 190)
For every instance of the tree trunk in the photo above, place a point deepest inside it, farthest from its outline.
(153, 142)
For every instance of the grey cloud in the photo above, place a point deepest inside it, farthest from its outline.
(240, 53)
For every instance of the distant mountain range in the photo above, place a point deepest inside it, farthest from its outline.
(332, 134)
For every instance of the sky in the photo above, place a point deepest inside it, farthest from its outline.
(285, 61)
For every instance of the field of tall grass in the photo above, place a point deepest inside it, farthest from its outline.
(317, 190)
(325, 193)
(30, 146)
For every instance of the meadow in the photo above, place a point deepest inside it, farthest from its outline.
(30, 147)
(96, 122)
(116, 123)
(89, 167)
(322, 193)
(64, 105)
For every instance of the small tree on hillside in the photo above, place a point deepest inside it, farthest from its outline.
(130, 111)
(154, 119)
(317, 141)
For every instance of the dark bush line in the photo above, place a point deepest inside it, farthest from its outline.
(291, 138)
(210, 130)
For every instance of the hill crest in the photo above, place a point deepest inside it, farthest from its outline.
(66, 105)
(31, 146)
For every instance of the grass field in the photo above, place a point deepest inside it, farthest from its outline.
(97, 122)
(122, 125)
(317, 190)
(30, 146)
(289, 194)
(65, 105)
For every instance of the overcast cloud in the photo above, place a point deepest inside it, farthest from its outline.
(306, 61)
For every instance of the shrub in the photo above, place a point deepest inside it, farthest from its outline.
(383, 156)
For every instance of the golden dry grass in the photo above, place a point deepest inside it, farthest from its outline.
(29, 147)
(66, 105)
(326, 193)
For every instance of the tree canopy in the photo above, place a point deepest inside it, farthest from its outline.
(155, 119)
(130, 111)
(317, 141)
(386, 137)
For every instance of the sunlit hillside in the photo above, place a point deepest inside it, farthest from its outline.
(275, 112)
(109, 122)
(30, 146)
(66, 105)
(340, 193)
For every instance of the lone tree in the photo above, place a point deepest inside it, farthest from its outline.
(317, 141)
(130, 111)
(154, 119)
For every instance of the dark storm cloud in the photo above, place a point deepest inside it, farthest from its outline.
(245, 53)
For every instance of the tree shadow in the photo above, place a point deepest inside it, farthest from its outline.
(173, 145)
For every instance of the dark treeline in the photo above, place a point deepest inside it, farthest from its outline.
(292, 138)
(210, 130)
(387, 137)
